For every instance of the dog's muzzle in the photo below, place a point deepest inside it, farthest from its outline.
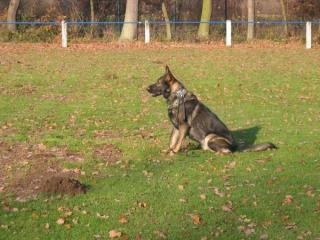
(149, 89)
(153, 91)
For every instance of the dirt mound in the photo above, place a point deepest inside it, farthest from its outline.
(25, 168)
(108, 152)
(62, 185)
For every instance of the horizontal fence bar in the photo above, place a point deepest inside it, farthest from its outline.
(275, 22)
(104, 23)
(31, 23)
(269, 22)
(187, 22)
(151, 22)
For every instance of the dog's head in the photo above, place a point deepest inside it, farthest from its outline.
(163, 85)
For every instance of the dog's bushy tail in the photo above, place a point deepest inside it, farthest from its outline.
(259, 147)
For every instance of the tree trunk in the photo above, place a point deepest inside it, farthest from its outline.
(284, 16)
(251, 17)
(203, 32)
(12, 12)
(129, 30)
(166, 18)
(92, 17)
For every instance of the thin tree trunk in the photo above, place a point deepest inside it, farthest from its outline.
(12, 13)
(203, 32)
(177, 10)
(92, 11)
(319, 32)
(92, 17)
(166, 18)
(284, 16)
(251, 17)
(129, 30)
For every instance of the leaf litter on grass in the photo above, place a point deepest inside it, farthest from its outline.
(256, 95)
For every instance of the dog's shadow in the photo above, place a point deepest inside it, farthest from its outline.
(247, 136)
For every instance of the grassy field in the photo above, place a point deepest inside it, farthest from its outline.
(86, 112)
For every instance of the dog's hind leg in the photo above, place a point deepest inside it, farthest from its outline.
(216, 144)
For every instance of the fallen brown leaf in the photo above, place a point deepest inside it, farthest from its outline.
(217, 192)
(203, 196)
(196, 219)
(67, 213)
(142, 204)
(227, 207)
(264, 236)
(291, 226)
(101, 216)
(287, 200)
(123, 219)
(114, 234)
(60, 221)
(160, 234)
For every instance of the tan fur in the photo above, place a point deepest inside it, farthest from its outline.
(174, 138)
(183, 130)
(212, 138)
(174, 86)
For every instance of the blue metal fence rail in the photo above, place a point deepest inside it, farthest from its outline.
(31, 23)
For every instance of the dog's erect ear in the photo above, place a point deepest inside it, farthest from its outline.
(167, 69)
(170, 78)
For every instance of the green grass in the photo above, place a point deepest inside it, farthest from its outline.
(273, 93)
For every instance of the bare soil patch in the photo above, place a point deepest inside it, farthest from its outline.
(106, 134)
(27, 170)
(19, 90)
(56, 97)
(7, 130)
(108, 152)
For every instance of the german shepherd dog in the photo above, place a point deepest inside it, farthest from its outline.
(192, 118)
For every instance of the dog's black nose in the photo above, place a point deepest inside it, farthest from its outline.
(148, 88)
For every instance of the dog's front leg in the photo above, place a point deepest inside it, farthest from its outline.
(182, 132)
(173, 139)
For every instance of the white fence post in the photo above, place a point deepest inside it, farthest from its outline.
(146, 31)
(228, 33)
(64, 34)
(308, 35)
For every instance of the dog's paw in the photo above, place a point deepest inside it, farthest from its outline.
(166, 151)
(223, 152)
(171, 153)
